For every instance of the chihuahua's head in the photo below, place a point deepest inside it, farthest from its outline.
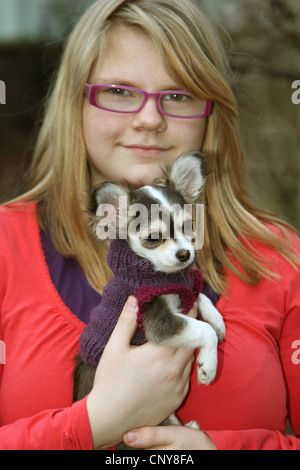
(156, 221)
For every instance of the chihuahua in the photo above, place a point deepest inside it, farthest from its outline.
(164, 239)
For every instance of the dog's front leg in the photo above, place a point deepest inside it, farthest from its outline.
(210, 314)
(164, 324)
(198, 335)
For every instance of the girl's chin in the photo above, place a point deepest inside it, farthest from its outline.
(136, 183)
(134, 176)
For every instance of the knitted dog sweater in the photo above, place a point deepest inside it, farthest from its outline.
(133, 276)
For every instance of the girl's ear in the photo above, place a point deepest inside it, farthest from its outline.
(186, 175)
(112, 207)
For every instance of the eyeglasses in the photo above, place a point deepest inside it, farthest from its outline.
(122, 99)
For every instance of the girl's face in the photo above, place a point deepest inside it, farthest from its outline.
(134, 146)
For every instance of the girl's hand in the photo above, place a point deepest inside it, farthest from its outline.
(168, 438)
(135, 386)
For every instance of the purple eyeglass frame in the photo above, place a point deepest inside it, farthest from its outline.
(90, 92)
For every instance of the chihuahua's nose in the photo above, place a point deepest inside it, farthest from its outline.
(183, 255)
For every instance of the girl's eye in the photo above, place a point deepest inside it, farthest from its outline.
(118, 91)
(177, 97)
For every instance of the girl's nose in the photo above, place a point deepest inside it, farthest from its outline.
(149, 117)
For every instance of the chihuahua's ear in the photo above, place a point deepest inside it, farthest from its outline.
(111, 201)
(186, 175)
(108, 193)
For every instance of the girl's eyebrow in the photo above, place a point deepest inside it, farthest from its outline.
(122, 82)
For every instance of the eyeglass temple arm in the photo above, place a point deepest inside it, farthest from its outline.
(208, 107)
(87, 90)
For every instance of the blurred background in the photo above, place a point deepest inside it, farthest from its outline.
(263, 42)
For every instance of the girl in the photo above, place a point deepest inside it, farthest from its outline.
(53, 271)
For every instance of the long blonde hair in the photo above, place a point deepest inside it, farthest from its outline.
(192, 55)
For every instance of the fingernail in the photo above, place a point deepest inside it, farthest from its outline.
(131, 303)
(131, 436)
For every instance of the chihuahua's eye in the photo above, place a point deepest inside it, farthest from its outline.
(153, 240)
(154, 237)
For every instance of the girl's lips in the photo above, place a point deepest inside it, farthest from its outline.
(146, 150)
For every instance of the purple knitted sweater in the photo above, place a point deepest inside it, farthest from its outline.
(133, 276)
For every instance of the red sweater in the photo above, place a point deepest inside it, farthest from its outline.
(257, 384)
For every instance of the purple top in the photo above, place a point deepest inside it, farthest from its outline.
(70, 282)
(72, 286)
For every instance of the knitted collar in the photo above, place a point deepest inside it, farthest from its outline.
(134, 270)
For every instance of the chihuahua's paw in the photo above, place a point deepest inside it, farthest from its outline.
(207, 362)
(207, 359)
(192, 424)
(206, 373)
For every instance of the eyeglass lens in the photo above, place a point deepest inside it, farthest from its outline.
(128, 100)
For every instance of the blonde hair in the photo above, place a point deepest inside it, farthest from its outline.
(192, 55)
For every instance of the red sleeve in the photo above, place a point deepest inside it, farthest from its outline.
(289, 346)
(62, 429)
(253, 439)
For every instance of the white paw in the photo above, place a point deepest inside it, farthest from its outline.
(192, 424)
(207, 360)
(206, 372)
(173, 420)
